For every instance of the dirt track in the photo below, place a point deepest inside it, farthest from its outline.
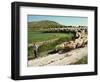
(60, 59)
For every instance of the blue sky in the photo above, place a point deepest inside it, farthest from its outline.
(64, 20)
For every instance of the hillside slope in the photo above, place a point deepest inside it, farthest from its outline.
(44, 24)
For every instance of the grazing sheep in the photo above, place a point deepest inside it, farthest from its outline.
(59, 47)
(70, 46)
(80, 43)
(85, 41)
(80, 39)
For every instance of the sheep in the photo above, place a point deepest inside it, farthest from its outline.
(80, 43)
(85, 41)
(59, 47)
(70, 46)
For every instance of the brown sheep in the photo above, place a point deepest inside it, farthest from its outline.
(70, 46)
(80, 43)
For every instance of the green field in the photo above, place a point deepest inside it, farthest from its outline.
(40, 36)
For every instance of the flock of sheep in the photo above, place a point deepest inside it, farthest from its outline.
(68, 29)
(79, 41)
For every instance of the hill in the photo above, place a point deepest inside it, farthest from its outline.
(44, 24)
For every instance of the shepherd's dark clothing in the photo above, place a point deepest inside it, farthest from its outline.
(35, 53)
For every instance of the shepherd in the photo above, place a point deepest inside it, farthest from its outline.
(35, 50)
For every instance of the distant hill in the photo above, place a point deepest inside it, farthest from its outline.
(44, 24)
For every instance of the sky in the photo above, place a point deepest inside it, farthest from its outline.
(64, 20)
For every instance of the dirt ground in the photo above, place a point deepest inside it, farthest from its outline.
(60, 59)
